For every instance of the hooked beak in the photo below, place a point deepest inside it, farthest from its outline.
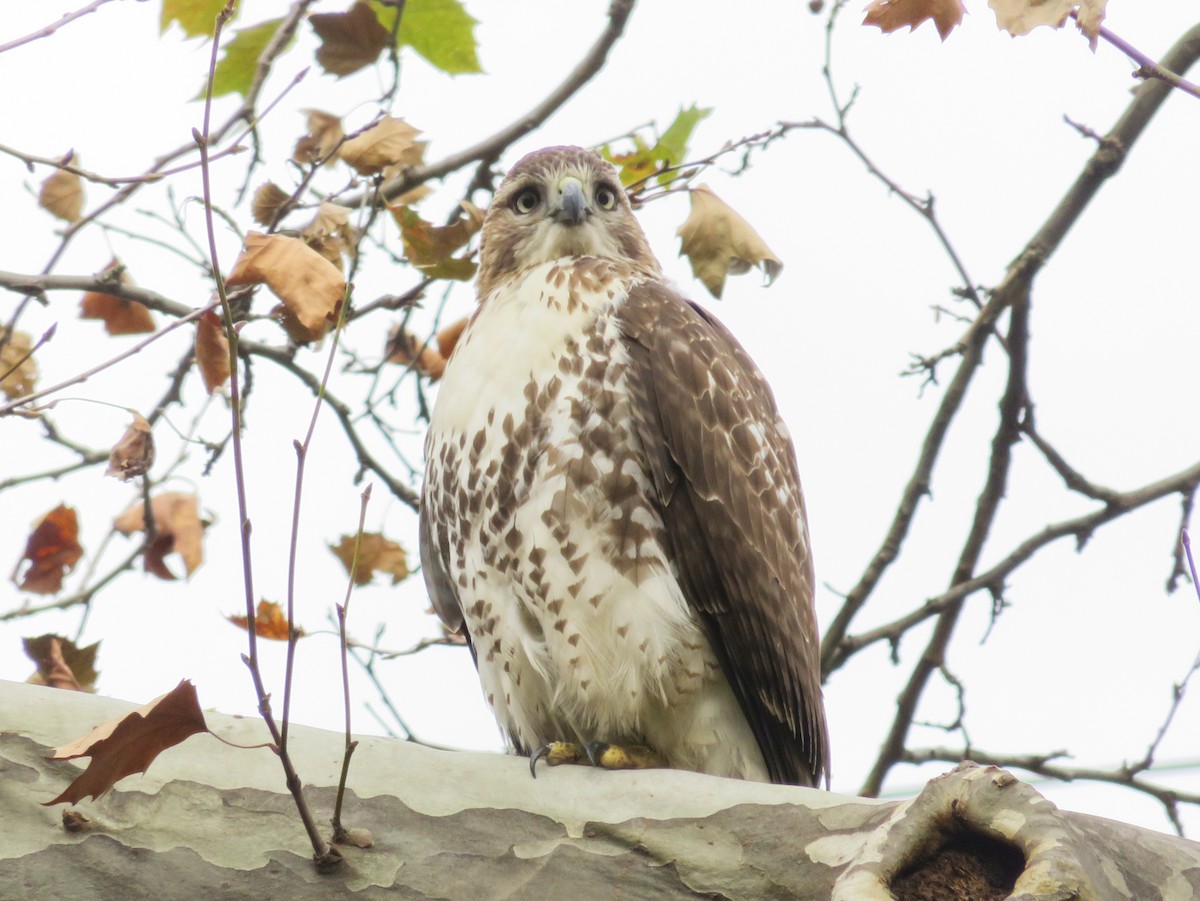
(572, 207)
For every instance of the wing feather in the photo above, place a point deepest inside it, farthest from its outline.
(726, 478)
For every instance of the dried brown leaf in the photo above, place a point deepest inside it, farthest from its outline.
(177, 529)
(375, 554)
(330, 233)
(324, 133)
(447, 338)
(52, 550)
(892, 15)
(119, 315)
(60, 664)
(130, 743)
(133, 454)
(212, 351)
(717, 241)
(407, 349)
(18, 368)
(389, 142)
(270, 622)
(1019, 17)
(62, 194)
(349, 41)
(310, 286)
(268, 200)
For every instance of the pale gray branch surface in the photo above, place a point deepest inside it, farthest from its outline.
(209, 820)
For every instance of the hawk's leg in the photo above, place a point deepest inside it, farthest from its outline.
(598, 754)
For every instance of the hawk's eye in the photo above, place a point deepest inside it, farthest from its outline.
(606, 197)
(526, 200)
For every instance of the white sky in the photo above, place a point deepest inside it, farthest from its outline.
(1085, 657)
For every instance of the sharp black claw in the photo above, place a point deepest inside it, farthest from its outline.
(537, 755)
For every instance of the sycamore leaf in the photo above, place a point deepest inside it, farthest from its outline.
(447, 338)
(1019, 17)
(670, 150)
(717, 241)
(61, 194)
(349, 41)
(52, 550)
(310, 286)
(212, 351)
(60, 664)
(197, 18)
(268, 200)
(239, 60)
(270, 622)
(330, 233)
(177, 528)
(119, 315)
(442, 31)
(324, 134)
(892, 15)
(407, 349)
(18, 369)
(389, 142)
(430, 247)
(133, 455)
(130, 743)
(375, 554)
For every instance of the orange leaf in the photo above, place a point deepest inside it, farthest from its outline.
(177, 528)
(269, 622)
(120, 315)
(375, 554)
(892, 15)
(404, 348)
(60, 664)
(310, 286)
(447, 338)
(349, 41)
(61, 194)
(133, 455)
(129, 744)
(53, 550)
(212, 351)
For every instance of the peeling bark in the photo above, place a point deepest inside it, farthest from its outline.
(211, 820)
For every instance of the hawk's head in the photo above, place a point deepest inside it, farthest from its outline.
(559, 202)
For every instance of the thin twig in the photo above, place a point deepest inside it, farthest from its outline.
(48, 30)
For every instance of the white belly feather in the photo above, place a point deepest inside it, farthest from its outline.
(580, 627)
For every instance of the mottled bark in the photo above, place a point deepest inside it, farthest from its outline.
(209, 820)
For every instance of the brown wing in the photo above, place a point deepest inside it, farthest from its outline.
(725, 473)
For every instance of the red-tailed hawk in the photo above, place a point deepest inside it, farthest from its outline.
(611, 509)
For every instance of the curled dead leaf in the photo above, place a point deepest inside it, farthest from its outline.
(389, 142)
(270, 622)
(133, 454)
(120, 315)
(310, 286)
(330, 233)
(375, 554)
(324, 134)
(405, 348)
(61, 193)
(178, 529)
(1019, 17)
(268, 200)
(212, 351)
(52, 550)
(60, 664)
(717, 241)
(18, 368)
(447, 337)
(129, 744)
(427, 245)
